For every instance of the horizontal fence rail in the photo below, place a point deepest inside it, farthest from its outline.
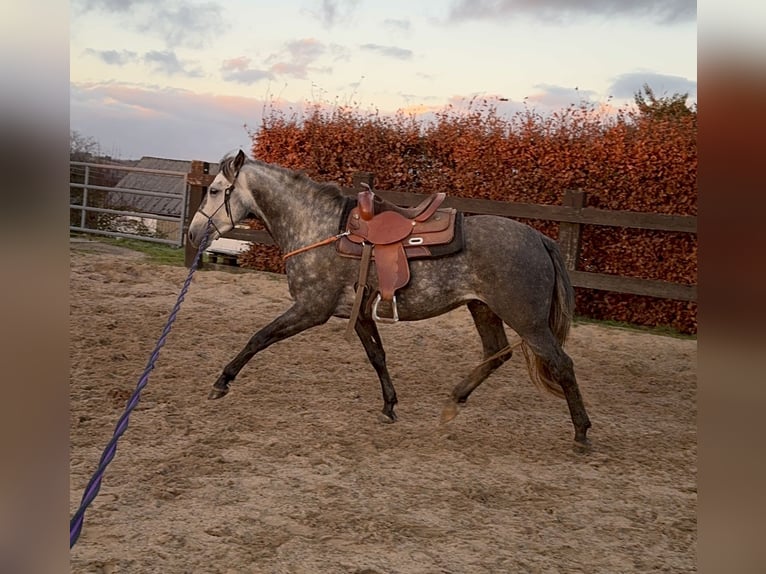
(571, 216)
(141, 214)
(583, 215)
(101, 203)
(128, 190)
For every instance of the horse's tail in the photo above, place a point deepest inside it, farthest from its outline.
(559, 320)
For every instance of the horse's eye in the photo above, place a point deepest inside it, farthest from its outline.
(213, 192)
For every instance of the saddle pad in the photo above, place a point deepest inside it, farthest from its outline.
(447, 241)
(441, 220)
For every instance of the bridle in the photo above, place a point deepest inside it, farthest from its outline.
(225, 204)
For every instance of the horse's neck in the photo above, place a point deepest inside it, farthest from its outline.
(296, 212)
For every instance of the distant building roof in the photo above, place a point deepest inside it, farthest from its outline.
(147, 181)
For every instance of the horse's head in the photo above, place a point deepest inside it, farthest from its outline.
(225, 203)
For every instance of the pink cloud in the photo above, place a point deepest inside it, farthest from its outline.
(240, 63)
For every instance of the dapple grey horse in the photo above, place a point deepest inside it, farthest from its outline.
(507, 273)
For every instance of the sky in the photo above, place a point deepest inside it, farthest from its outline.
(187, 80)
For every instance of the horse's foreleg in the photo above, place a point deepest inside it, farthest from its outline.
(493, 340)
(368, 333)
(295, 320)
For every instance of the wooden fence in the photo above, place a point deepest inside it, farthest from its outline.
(571, 215)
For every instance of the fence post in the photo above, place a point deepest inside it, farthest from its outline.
(83, 211)
(360, 177)
(569, 233)
(199, 178)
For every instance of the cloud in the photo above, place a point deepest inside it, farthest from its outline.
(236, 64)
(113, 57)
(166, 62)
(626, 85)
(177, 22)
(185, 24)
(332, 12)
(459, 104)
(388, 51)
(130, 121)
(545, 96)
(660, 11)
(558, 97)
(546, 100)
(239, 70)
(397, 25)
(297, 59)
(306, 50)
(109, 5)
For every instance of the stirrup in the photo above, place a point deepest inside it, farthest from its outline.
(380, 319)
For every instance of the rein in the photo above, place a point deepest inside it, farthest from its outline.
(327, 241)
(348, 205)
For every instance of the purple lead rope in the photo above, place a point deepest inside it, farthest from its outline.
(94, 485)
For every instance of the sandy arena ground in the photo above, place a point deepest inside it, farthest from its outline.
(292, 472)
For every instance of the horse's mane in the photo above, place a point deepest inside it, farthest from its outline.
(226, 167)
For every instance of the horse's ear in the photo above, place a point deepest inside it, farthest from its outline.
(239, 161)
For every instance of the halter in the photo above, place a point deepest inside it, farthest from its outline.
(226, 198)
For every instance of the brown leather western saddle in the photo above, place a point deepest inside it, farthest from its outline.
(390, 235)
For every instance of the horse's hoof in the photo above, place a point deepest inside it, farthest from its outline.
(216, 393)
(388, 419)
(450, 411)
(582, 445)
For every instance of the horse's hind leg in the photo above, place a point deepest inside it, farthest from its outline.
(368, 334)
(494, 340)
(556, 366)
